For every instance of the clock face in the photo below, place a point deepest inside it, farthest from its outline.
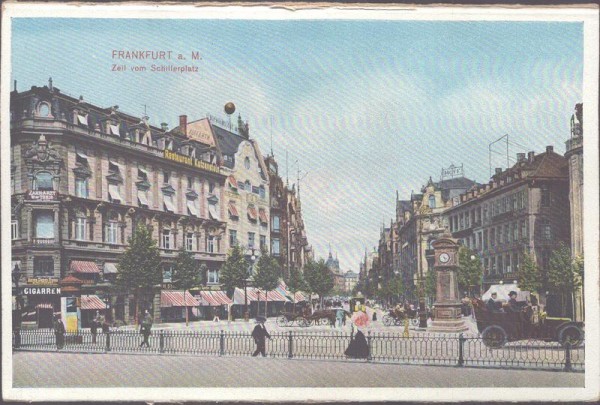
(444, 258)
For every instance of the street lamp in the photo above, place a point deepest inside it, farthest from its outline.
(252, 259)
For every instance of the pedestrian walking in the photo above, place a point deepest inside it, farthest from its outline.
(94, 326)
(104, 324)
(59, 332)
(146, 328)
(260, 334)
(358, 347)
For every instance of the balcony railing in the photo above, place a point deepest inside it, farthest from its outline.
(43, 241)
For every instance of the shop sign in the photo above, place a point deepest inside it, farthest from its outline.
(41, 290)
(41, 195)
(190, 161)
(42, 281)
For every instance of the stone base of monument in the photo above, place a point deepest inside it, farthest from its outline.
(447, 319)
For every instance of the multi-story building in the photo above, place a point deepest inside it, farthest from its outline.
(574, 155)
(333, 264)
(368, 269)
(279, 216)
(350, 281)
(419, 222)
(523, 208)
(299, 251)
(83, 177)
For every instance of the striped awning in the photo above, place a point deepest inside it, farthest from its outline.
(44, 305)
(233, 212)
(252, 213)
(92, 302)
(263, 216)
(175, 299)
(232, 182)
(80, 266)
(213, 298)
(253, 294)
(297, 297)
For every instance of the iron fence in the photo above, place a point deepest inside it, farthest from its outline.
(451, 349)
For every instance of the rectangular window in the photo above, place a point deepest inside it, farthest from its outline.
(80, 228)
(493, 265)
(210, 244)
(492, 237)
(275, 220)
(166, 177)
(44, 225)
(507, 232)
(524, 233)
(166, 239)
(112, 230)
(14, 229)
(485, 239)
(189, 241)
(254, 189)
(81, 188)
(507, 263)
(261, 192)
(275, 247)
(263, 242)
(211, 187)
(546, 230)
(114, 194)
(43, 266)
(545, 191)
(213, 277)
(168, 203)
(515, 227)
(168, 273)
(190, 182)
(250, 240)
(232, 237)
(500, 265)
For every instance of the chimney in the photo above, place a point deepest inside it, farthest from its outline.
(520, 157)
(183, 124)
(498, 170)
(549, 148)
(530, 156)
(164, 126)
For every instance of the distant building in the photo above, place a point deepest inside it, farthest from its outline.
(350, 281)
(334, 266)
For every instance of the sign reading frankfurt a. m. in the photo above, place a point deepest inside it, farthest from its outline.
(190, 161)
(41, 195)
(41, 290)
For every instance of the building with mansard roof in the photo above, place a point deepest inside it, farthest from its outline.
(83, 177)
(524, 208)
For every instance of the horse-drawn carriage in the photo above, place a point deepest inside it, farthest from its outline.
(498, 328)
(320, 317)
(397, 317)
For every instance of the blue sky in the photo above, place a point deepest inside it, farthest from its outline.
(365, 107)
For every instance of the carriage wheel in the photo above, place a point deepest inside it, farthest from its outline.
(398, 321)
(303, 322)
(494, 336)
(388, 320)
(282, 321)
(324, 321)
(414, 322)
(571, 333)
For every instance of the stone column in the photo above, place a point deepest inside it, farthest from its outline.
(447, 311)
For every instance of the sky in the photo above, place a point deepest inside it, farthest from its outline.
(361, 108)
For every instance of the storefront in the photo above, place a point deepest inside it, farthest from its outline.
(90, 305)
(173, 305)
(213, 303)
(259, 302)
(42, 299)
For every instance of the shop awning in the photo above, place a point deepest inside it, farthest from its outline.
(110, 268)
(92, 302)
(212, 210)
(232, 182)
(213, 298)
(142, 198)
(263, 216)
(175, 299)
(252, 213)
(113, 191)
(233, 212)
(253, 295)
(168, 199)
(44, 305)
(192, 207)
(80, 266)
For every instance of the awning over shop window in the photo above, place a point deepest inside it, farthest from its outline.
(232, 182)
(175, 299)
(213, 212)
(233, 210)
(80, 266)
(191, 204)
(263, 216)
(252, 213)
(110, 268)
(92, 302)
(213, 298)
(113, 191)
(253, 295)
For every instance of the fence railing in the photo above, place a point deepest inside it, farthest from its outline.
(451, 349)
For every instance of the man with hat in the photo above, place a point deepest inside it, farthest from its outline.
(491, 303)
(512, 305)
(259, 334)
(59, 332)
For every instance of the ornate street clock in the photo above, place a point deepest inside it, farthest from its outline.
(445, 258)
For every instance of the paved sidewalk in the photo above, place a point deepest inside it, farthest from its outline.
(49, 370)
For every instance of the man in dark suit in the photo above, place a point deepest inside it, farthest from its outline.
(512, 305)
(259, 334)
(491, 303)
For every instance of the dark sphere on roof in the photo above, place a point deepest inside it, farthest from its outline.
(229, 108)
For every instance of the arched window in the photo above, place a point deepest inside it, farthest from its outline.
(43, 182)
(431, 201)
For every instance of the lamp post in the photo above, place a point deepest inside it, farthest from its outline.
(246, 314)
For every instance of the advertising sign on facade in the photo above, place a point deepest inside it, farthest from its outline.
(42, 281)
(41, 195)
(41, 290)
(201, 132)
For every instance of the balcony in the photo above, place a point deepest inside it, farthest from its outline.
(43, 241)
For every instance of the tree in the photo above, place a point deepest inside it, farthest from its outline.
(139, 267)
(394, 288)
(529, 275)
(235, 270)
(562, 274)
(318, 277)
(267, 273)
(431, 285)
(186, 275)
(469, 270)
(295, 283)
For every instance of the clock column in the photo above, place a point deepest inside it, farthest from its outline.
(447, 311)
